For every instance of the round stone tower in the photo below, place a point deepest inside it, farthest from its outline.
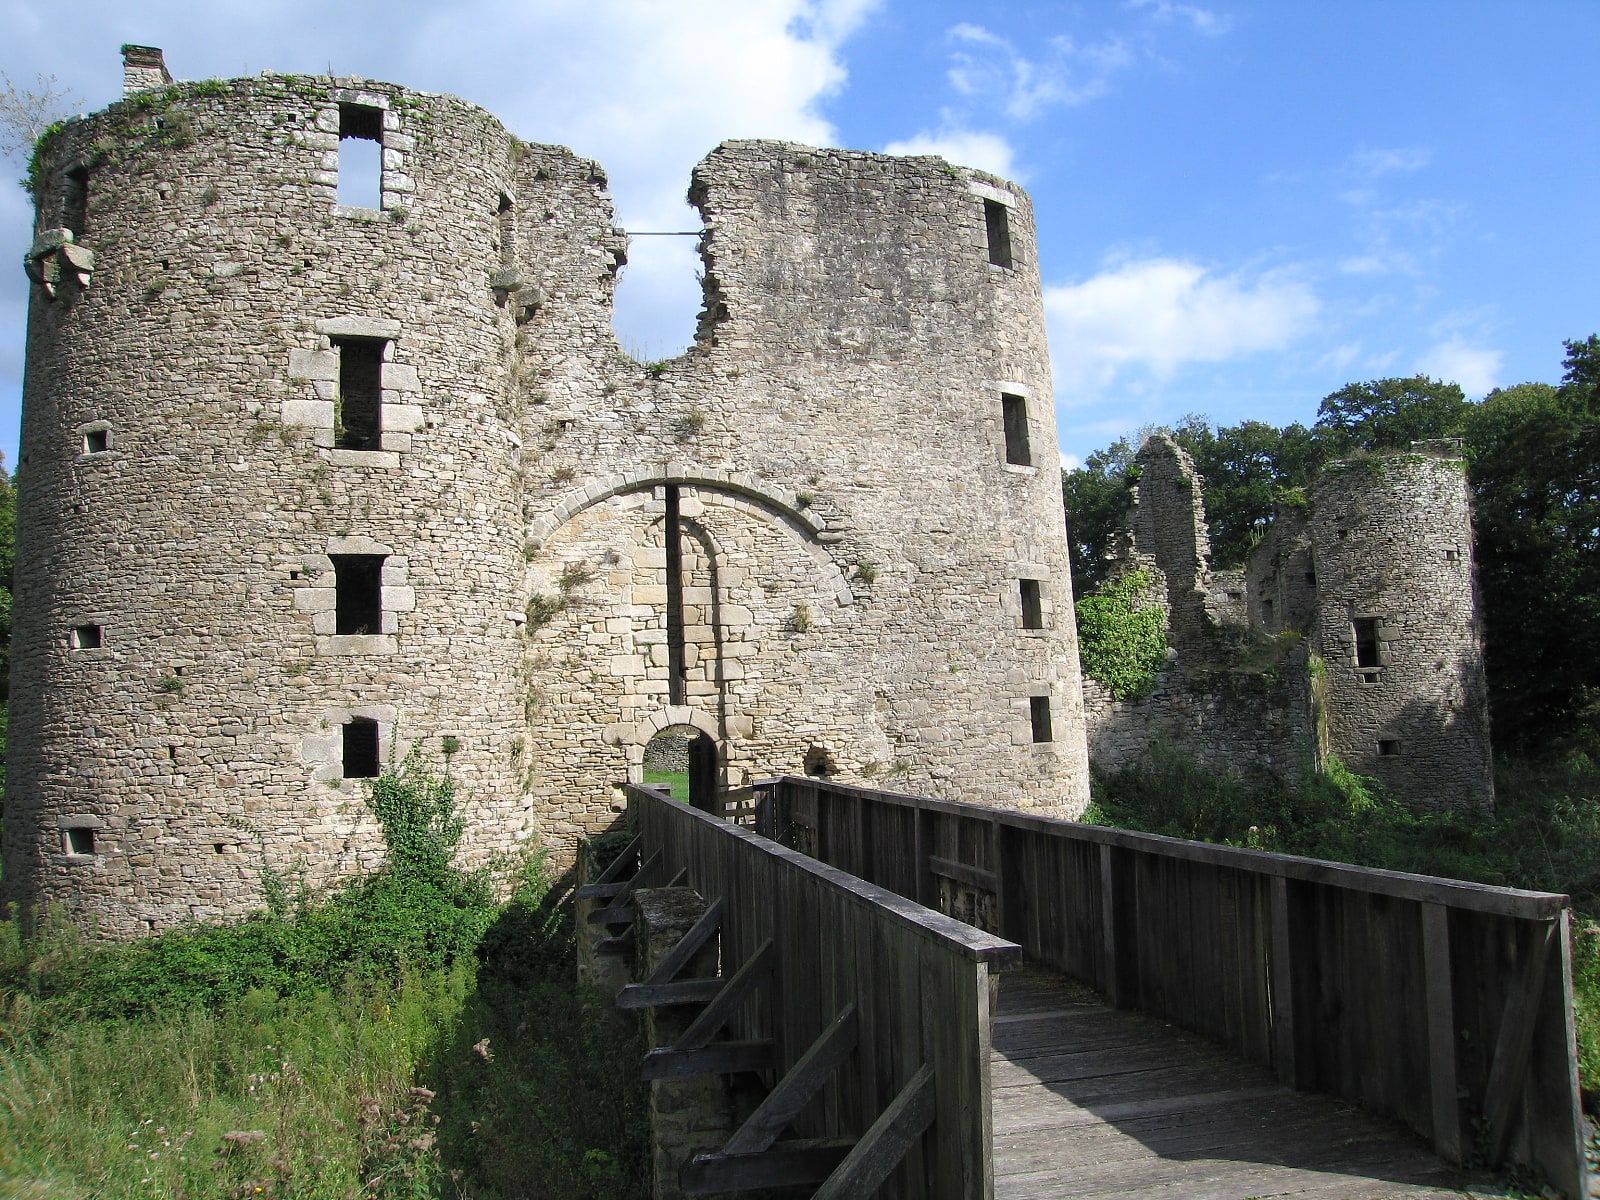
(1397, 625)
(328, 449)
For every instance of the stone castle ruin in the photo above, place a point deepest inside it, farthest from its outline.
(1353, 630)
(301, 485)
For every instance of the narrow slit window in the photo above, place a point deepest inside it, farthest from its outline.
(360, 748)
(506, 222)
(1367, 654)
(79, 840)
(998, 220)
(358, 600)
(87, 637)
(1032, 604)
(1311, 579)
(1039, 714)
(360, 156)
(1014, 410)
(75, 200)
(359, 421)
(97, 441)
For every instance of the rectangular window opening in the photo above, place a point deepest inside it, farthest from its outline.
(75, 200)
(358, 601)
(1388, 747)
(360, 748)
(1311, 579)
(360, 156)
(97, 441)
(1452, 555)
(358, 424)
(87, 637)
(998, 220)
(1032, 604)
(1039, 713)
(1367, 642)
(1014, 410)
(79, 840)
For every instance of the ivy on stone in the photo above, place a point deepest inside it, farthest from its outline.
(1121, 644)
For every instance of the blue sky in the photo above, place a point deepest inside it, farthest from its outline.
(1242, 206)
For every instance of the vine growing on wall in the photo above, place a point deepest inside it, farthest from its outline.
(1122, 645)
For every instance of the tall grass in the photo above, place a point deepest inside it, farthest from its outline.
(406, 1037)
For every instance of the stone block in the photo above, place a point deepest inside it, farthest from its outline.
(403, 418)
(399, 377)
(395, 443)
(400, 599)
(313, 364)
(350, 644)
(378, 459)
(368, 327)
(315, 599)
(307, 414)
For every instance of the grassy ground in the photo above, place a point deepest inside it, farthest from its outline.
(1544, 835)
(678, 781)
(405, 1038)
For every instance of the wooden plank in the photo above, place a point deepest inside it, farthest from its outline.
(617, 947)
(798, 1162)
(679, 991)
(1108, 921)
(1283, 1023)
(1478, 897)
(962, 873)
(688, 945)
(1510, 1063)
(719, 1058)
(795, 1089)
(1441, 1032)
(601, 891)
(881, 1148)
(716, 1014)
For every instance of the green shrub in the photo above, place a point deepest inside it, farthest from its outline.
(1121, 645)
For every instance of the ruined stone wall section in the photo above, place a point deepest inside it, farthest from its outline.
(1234, 721)
(1392, 539)
(837, 435)
(1282, 575)
(1168, 525)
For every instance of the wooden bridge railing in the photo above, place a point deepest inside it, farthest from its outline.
(890, 1001)
(1447, 1005)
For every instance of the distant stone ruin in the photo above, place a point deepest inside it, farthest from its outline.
(1352, 631)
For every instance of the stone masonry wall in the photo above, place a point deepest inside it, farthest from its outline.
(853, 533)
(1392, 541)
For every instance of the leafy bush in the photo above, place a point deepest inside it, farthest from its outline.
(1122, 645)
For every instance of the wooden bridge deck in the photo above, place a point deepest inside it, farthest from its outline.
(1092, 1101)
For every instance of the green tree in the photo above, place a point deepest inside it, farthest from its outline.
(1534, 453)
(1389, 414)
(1244, 469)
(1096, 497)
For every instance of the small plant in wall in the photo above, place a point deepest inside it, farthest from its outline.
(800, 619)
(690, 423)
(867, 572)
(169, 685)
(449, 746)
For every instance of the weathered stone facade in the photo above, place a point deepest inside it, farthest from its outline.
(301, 485)
(1353, 630)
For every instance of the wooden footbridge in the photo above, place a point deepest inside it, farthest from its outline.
(946, 1000)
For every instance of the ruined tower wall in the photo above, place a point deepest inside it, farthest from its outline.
(1392, 542)
(835, 447)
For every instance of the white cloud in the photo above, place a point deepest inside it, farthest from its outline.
(1381, 162)
(988, 67)
(1202, 19)
(1477, 370)
(1156, 315)
(964, 147)
(1070, 462)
